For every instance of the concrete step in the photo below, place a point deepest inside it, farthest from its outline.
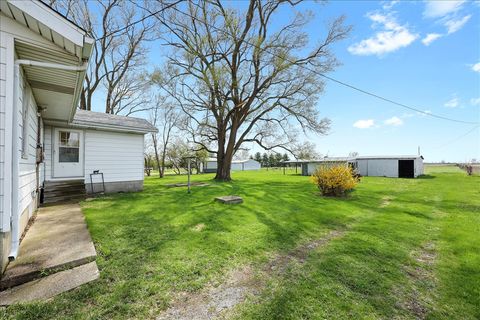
(65, 188)
(63, 199)
(64, 182)
(62, 193)
(50, 286)
(16, 279)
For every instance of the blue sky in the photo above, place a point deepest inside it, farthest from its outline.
(422, 54)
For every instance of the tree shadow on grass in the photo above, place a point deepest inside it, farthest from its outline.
(426, 176)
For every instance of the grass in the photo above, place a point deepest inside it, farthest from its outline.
(410, 248)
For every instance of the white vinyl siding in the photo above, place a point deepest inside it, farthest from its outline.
(47, 150)
(27, 157)
(118, 155)
(3, 89)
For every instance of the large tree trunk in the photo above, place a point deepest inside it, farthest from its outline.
(225, 155)
(224, 166)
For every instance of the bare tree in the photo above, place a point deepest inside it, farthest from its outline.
(121, 31)
(166, 118)
(240, 79)
(305, 151)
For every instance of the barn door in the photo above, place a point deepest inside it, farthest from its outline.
(406, 169)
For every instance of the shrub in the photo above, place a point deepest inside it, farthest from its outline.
(335, 180)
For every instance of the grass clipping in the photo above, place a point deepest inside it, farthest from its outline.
(335, 180)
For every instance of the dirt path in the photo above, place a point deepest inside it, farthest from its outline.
(217, 302)
(422, 280)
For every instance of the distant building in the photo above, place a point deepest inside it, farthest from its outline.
(210, 165)
(369, 166)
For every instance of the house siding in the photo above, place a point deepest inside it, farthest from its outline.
(118, 155)
(27, 163)
(3, 89)
(5, 235)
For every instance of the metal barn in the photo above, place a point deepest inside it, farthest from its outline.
(371, 166)
(390, 166)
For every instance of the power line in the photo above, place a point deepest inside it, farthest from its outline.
(335, 80)
(459, 137)
(139, 20)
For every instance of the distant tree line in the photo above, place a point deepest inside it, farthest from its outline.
(269, 160)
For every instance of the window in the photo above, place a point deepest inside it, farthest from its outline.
(69, 146)
(25, 107)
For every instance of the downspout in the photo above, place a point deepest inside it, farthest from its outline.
(15, 217)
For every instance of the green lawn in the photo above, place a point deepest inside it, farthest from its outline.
(410, 248)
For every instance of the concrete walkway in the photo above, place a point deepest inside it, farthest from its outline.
(57, 241)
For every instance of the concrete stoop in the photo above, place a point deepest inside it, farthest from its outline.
(49, 286)
(56, 255)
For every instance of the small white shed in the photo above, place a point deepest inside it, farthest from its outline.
(210, 165)
(245, 165)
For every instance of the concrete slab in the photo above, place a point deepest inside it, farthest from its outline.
(58, 239)
(229, 199)
(49, 286)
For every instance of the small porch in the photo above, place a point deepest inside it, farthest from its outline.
(56, 255)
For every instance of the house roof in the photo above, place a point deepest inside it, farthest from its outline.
(99, 120)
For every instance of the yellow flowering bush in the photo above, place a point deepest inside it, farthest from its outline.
(335, 180)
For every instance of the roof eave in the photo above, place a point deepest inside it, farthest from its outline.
(93, 125)
(52, 19)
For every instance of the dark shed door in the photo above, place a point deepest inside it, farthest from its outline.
(406, 168)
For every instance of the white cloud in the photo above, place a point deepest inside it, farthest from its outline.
(389, 4)
(437, 9)
(453, 25)
(476, 67)
(394, 121)
(430, 38)
(391, 37)
(452, 103)
(364, 124)
(475, 101)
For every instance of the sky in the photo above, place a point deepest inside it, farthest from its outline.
(424, 54)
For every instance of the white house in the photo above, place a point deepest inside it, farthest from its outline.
(46, 144)
(210, 165)
(373, 166)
